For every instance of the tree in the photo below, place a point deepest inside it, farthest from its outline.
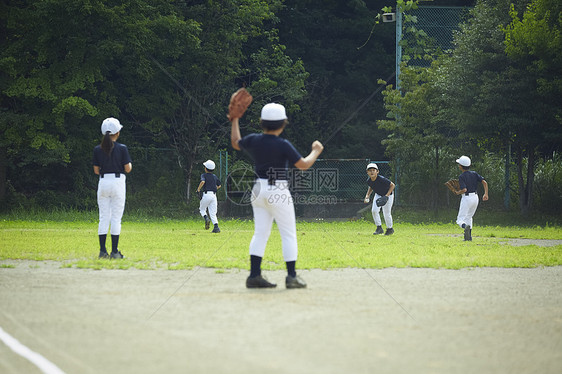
(418, 135)
(492, 98)
(534, 42)
(238, 45)
(165, 69)
(66, 65)
(345, 62)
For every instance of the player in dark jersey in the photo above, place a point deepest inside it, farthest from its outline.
(382, 187)
(468, 182)
(111, 161)
(271, 198)
(210, 184)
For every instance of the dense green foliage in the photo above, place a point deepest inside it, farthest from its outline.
(497, 92)
(166, 69)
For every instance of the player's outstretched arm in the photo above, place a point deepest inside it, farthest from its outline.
(235, 134)
(485, 184)
(306, 162)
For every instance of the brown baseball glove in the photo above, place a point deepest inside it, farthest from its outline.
(239, 102)
(453, 185)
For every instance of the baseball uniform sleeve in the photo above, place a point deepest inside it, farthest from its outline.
(125, 154)
(291, 152)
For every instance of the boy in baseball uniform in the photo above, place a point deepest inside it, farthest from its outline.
(210, 184)
(383, 188)
(468, 182)
(271, 198)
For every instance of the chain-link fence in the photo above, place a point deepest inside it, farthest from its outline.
(438, 23)
(331, 188)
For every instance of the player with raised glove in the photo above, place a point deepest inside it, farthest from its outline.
(239, 103)
(271, 196)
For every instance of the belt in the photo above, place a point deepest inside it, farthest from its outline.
(209, 192)
(117, 175)
(468, 193)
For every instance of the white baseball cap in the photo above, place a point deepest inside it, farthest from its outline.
(210, 165)
(112, 125)
(464, 161)
(273, 112)
(372, 165)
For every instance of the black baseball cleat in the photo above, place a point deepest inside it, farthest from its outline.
(116, 255)
(216, 229)
(467, 233)
(379, 231)
(103, 254)
(259, 282)
(294, 282)
(207, 222)
(389, 231)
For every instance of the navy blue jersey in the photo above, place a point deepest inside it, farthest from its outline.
(271, 154)
(211, 182)
(381, 185)
(114, 162)
(469, 180)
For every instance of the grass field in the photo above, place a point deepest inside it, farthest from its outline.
(151, 243)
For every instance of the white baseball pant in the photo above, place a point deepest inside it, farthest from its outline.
(271, 203)
(111, 202)
(386, 211)
(209, 201)
(467, 209)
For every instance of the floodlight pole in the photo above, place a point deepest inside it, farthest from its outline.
(398, 46)
(398, 60)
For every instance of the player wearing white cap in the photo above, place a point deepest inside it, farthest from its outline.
(111, 161)
(271, 198)
(210, 184)
(384, 198)
(468, 182)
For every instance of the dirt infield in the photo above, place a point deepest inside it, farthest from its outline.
(352, 320)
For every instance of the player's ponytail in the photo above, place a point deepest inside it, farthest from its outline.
(107, 143)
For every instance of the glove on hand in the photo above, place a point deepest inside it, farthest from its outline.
(239, 102)
(453, 185)
(381, 201)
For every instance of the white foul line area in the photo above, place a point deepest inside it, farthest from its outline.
(41, 362)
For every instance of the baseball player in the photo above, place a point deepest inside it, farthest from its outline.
(111, 162)
(210, 184)
(468, 182)
(271, 199)
(384, 198)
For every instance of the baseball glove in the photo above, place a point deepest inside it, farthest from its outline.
(453, 185)
(200, 194)
(239, 102)
(381, 201)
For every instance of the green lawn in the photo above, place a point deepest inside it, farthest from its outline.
(184, 244)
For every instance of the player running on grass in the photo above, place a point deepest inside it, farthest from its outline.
(210, 184)
(271, 198)
(468, 182)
